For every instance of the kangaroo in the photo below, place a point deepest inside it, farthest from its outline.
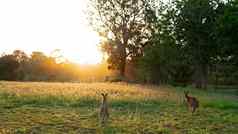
(104, 114)
(192, 102)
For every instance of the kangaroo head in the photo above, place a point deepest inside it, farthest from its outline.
(104, 96)
(186, 93)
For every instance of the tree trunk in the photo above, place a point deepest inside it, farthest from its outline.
(216, 79)
(198, 72)
(201, 74)
(122, 68)
(205, 76)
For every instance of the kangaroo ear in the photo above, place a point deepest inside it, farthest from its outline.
(186, 92)
(102, 94)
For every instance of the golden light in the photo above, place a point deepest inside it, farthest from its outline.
(86, 53)
(47, 25)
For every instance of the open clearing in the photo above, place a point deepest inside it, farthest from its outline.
(41, 108)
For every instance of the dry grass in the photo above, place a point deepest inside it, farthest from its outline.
(40, 107)
(77, 90)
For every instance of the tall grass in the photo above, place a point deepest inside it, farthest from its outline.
(40, 107)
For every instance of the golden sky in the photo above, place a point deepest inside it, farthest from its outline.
(46, 25)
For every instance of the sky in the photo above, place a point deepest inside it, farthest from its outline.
(46, 25)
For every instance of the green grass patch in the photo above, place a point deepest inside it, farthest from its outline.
(222, 104)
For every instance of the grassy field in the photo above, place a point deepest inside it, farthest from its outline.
(41, 108)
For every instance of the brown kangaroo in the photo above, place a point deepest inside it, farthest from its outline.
(192, 102)
(104, 114)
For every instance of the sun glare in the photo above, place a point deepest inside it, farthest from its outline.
(47, 25)
(86, 53)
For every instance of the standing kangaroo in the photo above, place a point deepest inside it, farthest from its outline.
(104, 114)
(192, 102)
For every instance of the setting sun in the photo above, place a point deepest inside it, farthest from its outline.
(47, 25)
(118, 66)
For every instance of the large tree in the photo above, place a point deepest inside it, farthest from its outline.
(163, 61)
(8, 67)
(123, 25)
(23, 60)
(194, 28)
(227, 29)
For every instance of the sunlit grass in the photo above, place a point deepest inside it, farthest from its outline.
(33, 107)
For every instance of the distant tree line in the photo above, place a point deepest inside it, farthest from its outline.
(18, 66)
(36, 67)
(175, 42)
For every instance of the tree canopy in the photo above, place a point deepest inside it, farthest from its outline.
(124, 28)
(183, 41)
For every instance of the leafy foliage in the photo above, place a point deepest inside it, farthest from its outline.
(8, 66)
(191, 41)
(122, 24)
